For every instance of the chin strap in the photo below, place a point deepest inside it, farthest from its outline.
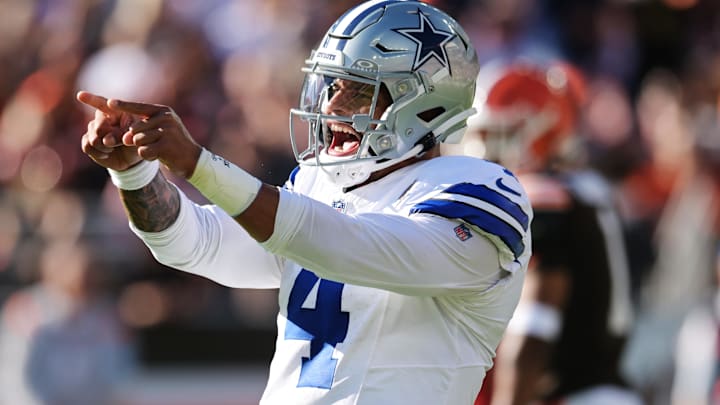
(455, 136)
(427, 142)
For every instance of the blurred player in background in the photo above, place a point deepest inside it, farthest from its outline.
(672, 354)
(398, 269)
(566, 337)
(61, 339)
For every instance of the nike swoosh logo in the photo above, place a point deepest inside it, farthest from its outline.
(503, 187)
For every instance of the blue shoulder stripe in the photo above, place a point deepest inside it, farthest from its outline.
(484, 193)
(476, 216)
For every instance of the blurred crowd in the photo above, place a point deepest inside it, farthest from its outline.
(75, 285)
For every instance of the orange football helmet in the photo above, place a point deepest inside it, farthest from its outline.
(526, 110)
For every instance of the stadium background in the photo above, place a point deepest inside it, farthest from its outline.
(231, 70)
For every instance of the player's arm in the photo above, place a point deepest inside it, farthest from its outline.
(129, 139)
(522, 358)
(153, 132)
(203, 240)
(153, 207)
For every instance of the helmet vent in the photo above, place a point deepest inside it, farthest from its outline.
(431, 114)
(384, 49)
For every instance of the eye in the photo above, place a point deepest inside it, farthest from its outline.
(332, 89)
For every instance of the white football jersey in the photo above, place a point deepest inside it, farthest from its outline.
(395, 292)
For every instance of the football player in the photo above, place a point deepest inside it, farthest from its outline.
(398, 269)
(564, 342)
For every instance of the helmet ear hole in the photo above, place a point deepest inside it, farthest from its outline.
(431, 114)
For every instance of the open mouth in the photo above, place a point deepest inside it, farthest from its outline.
(344, 141)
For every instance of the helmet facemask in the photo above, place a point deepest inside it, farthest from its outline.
(347, 120)
(344, 112)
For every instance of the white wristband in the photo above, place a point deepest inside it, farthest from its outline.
(224, 184)
(538, 320)
(135, 177)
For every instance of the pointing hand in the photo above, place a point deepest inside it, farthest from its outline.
(149, 131)
(103, 140)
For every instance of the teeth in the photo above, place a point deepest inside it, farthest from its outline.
(342, 128)
(346, 140)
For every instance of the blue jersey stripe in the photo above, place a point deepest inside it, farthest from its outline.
(484, 193)
(476, 216)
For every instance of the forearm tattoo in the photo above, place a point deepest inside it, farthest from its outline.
(154, 207)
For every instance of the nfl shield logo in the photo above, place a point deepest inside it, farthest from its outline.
(462, 232)
(339, 206)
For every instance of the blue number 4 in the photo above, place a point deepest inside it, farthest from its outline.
(324, 326)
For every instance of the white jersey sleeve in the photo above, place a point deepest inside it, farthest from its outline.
(380, 250)
(206, 241)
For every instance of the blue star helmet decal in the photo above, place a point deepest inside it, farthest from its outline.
(430, 42)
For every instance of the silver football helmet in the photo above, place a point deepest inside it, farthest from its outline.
(389, 80)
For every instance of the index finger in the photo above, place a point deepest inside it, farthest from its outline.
(142, 109)
(95, 101)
